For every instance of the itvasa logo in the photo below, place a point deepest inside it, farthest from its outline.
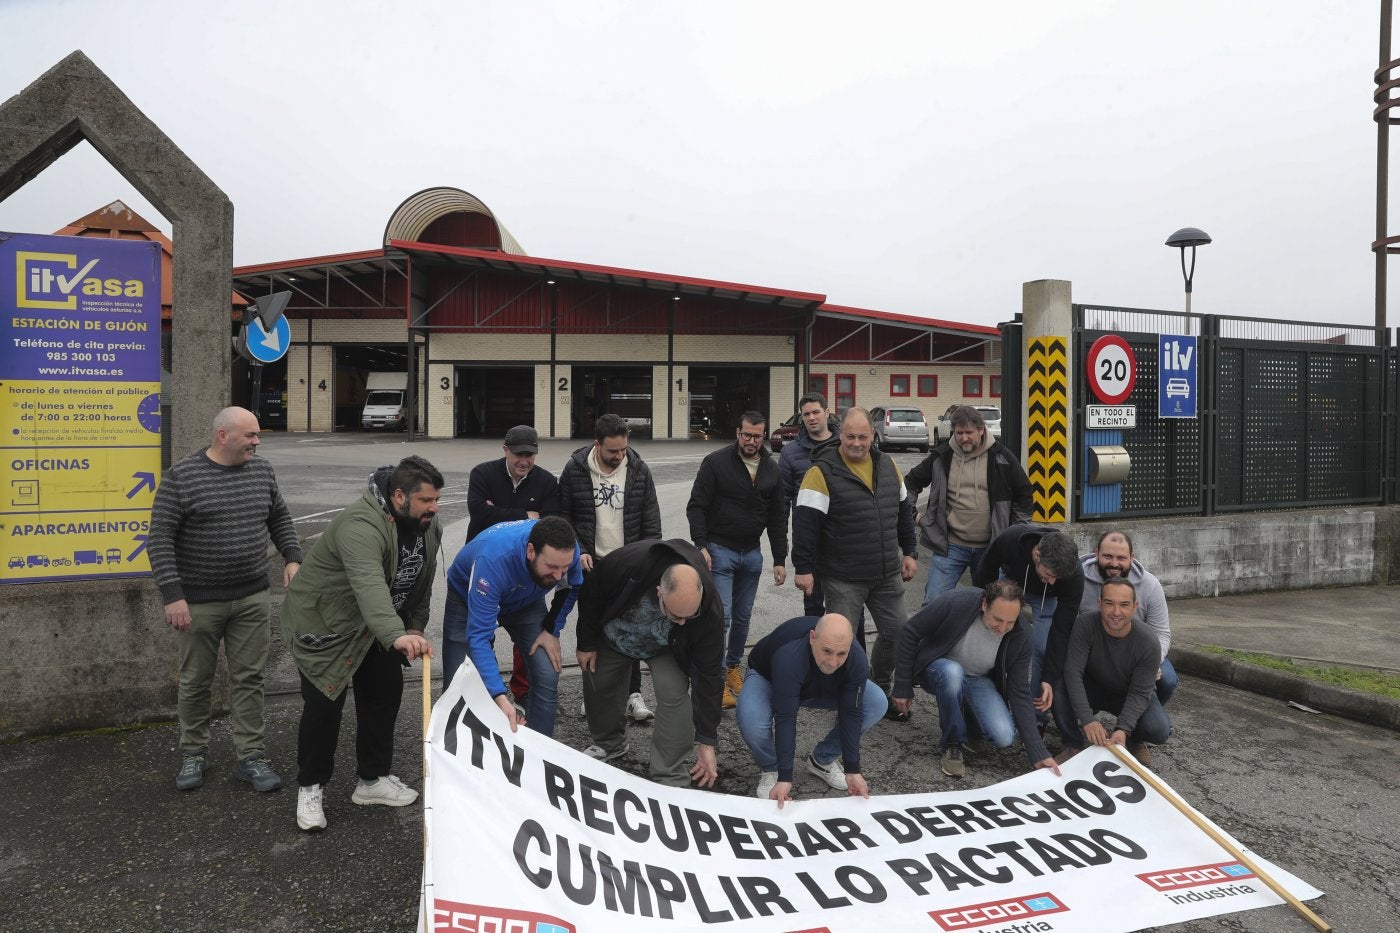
(51, 281)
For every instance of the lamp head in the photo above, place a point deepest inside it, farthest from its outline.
(1188, 236)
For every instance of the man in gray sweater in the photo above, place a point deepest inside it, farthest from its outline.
(210, 523)
(1111, 665)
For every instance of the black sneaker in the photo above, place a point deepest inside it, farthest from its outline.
(952, 761)
(256, 771)
(191, 774)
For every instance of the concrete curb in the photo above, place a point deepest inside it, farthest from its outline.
(1340, 701)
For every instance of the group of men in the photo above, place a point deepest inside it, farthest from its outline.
(1051, 634)
(1046, 633)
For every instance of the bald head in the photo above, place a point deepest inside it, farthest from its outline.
(680, 593)
(235, 437)
(831, 642)
(856, 435)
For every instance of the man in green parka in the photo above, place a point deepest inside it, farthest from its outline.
(354, 617)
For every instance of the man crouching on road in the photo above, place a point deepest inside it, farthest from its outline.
(356, 610)
(972, 650)
(1111, 665)
(654, 601)
(814, 663)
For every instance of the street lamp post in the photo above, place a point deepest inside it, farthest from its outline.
(1192, 237)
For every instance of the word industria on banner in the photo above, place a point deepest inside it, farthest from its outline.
(527, 835)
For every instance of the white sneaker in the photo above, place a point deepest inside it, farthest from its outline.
(310, 816)
(388, 790)
(602, 754)
(582, 709)
(766, 782)
(833, 773)
(637, 709)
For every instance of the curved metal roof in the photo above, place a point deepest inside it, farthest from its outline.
(418, 211)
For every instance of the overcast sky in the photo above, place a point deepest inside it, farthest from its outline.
(923, 158)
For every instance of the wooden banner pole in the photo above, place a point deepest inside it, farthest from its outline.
(1219, 839)
(427, 660)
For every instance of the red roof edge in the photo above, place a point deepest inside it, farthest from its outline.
(565, 265)
(911, 319)
(311, 261)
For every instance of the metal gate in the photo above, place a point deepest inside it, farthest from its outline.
(1290, 415)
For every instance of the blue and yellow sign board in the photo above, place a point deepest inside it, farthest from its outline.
(79, 405)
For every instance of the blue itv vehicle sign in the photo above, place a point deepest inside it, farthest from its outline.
(1176, 376)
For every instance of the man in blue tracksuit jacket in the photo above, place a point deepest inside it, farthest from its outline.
(502, 578)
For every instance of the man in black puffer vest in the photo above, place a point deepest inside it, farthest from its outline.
(851, 524)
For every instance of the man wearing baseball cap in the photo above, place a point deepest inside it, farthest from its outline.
(511, 488)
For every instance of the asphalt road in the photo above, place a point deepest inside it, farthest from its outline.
(95, 837)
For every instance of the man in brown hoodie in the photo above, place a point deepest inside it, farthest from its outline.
(976, 490)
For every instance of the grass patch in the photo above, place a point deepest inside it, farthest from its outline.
(79, 733)
(1377, 682)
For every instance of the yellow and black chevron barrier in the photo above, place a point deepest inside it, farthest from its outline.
(1047, 427)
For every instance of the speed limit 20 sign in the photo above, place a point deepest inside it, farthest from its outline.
(1112, 369)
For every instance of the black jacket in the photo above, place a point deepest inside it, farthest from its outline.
(1009, 555)
(796, 458)
(641, 514)
(933, 632)
(619, 579)
(1008, 488)
(538, 492)
(730, 509)
(848, 531)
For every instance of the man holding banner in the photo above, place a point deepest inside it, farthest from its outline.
(354, 617)
(972, 650)
(501, 579)
(1111, 665)
(654, 601)
(815, 663)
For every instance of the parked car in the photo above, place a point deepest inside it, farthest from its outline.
(943, 427)
(16, 563)
(785, 433)
(900, 427)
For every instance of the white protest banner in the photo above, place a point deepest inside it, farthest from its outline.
(528, 836)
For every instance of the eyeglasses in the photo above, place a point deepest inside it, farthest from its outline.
(752, 437)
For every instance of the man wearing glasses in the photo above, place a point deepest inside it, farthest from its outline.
(736, 495)
(654, 601)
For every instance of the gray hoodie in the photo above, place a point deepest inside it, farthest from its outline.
(1151, 598)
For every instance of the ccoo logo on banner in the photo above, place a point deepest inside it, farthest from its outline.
(528, 836)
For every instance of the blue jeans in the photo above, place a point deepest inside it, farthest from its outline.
(1042, 618)
(945, 570)
(1154, 725)
(736, 575)
(1168, 684)
(955, 688)
(754, 716)
(523, 627)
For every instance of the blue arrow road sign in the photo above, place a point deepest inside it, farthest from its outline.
(265, 347)
(1176, 376)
